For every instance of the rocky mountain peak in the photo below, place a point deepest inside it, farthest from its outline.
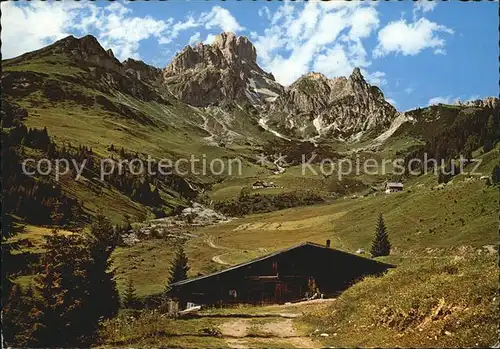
(85, 50)
(227, 50)
(142, 71)
(488, 102)
(345, 108)
(356, 75)
(110, 53)
(234, 47)
(313, 76)
(86, 45)
(223, 72)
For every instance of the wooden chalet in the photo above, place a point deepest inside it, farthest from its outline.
(299, 272)
(391, 187)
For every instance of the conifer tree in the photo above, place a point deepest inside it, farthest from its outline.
(491, 135)
(16, 317)
(179, 267)
(11, 317)
(75, 288)
(495, 175)
(381, 245)
(130, 299)
(61, 316)
(102, 242)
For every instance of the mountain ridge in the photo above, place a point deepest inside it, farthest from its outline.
(225, 74)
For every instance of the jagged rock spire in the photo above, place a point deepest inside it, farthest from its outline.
(225, 71)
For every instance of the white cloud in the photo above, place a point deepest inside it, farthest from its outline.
(443, 100)
(210, 38)
(114, 25)
(217, 17)
(364, 22)
(472, 98)
(452, 100)
(189, 23)
(194, 38)
(410, 38)
(34, 25)
(376, 78)
(178, 27)
(334, 62)
(39, 24)
(391, 101)
(264, 12)
(423, 6)
(221, 18)
(320, 36)
(120, 31)
(409, 90)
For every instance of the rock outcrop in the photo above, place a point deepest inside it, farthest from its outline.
(223, 72)
(142, 71)
(488, 102)
(99, 69)
(315, 106)
(86, 51)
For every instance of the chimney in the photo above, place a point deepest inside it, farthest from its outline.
(328, 243)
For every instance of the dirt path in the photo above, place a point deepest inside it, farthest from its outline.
(217, 259)
(235, 328)
(244, 333)
(271, 328)
(209, 239)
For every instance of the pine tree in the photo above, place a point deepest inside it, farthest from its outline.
(381, 245)
(16, 319)
(61, 316)
(179, 268)
(491, 136)
(76, 288)
(11, 323)
(130, 299)
(495, 175)
(102, 242)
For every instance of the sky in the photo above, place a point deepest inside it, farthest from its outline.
(418, 52)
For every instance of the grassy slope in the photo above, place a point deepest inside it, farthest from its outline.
(152, 329)
(416, 219)
(171, 131)
(432, 298)
(433, 303)
(32, 238)
(461, 213)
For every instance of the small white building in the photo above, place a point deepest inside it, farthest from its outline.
(391, 187)
(264, 185)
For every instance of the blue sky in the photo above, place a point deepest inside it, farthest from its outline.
(418, 53)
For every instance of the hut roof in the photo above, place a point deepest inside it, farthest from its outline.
(301, 245)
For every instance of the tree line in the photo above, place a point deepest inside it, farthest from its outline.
(247, 203)
(37, 198)
(468, 130)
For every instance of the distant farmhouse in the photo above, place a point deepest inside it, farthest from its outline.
(303, 271)
(264, 185)
(391, 187)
